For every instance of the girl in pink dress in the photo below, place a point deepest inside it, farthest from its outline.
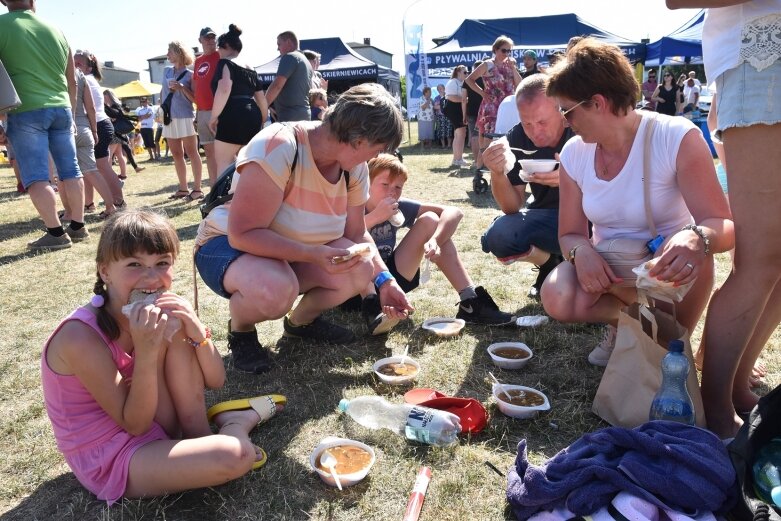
(123, 382)
(500, 77)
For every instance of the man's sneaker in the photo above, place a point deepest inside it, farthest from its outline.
(50, 242)
(482, 310)
(319, 329)
(543, 272)
(377, 322)
(248, 355)
(77, 235)
(600, 355)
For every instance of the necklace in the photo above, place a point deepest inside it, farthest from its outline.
(603, 171)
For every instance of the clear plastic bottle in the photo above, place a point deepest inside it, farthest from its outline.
(673, 402)
(767, 481)
(430, 426)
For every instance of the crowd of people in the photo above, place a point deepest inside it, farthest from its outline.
(306, 191)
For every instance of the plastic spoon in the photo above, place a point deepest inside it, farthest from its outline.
(501, 387)
(527, 152)
(329, 460)
(404, 356)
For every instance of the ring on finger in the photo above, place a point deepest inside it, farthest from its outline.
(690, 265)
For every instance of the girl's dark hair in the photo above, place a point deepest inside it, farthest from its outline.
(231, 38)
(125, 234)
(92, 63)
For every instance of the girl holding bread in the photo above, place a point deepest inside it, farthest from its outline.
(124, 376)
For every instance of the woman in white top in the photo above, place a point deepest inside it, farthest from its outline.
(742, 55)
(455, 114)
(601, 181)
(88, 64)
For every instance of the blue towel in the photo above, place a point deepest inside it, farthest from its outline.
(674, 466)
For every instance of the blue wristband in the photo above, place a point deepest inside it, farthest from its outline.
(382, 278)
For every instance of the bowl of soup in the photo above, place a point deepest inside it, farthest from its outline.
(518, 401)
(396, 370)
(510, 355)
(534, 166)
(353, 460)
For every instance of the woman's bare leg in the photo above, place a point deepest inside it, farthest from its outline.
(744, 300)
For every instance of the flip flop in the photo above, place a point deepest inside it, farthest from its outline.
(265, 406)
(263, 458)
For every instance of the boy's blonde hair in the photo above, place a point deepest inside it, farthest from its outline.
(390, 163)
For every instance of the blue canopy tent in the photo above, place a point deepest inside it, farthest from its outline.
(341, 66)
(542, 34)
(684, 45)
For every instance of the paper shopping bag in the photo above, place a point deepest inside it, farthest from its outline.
(634, 373)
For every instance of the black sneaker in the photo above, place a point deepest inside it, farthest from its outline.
(321, 330)
(377, 322)
(543, 272)
(482, 310)
(248, 355)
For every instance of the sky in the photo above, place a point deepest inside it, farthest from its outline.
(129, 33)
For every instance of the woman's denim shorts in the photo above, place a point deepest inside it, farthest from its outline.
(213, 260)
(749, 97)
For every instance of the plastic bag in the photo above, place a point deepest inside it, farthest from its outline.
(654, 287)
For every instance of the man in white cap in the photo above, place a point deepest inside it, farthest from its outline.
(203, 71)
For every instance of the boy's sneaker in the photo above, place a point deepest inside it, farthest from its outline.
(483, 310)
(543, 272)
(77, 235)
(319, 329)
(248, 355)
(600, 355)
(50, 242)
(377, 322)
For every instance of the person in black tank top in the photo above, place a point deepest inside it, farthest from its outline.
(240, 107)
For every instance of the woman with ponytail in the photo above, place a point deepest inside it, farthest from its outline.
(124, 376)
(240, 107)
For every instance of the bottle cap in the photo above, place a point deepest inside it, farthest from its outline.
(343, 403)
(775, 495)
(675, 346)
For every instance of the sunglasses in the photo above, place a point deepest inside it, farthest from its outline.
(506, 51)
(566, 112)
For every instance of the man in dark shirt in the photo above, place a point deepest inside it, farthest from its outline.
(530, 63)
(528, 230)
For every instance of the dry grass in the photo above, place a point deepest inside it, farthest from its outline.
(39, 289)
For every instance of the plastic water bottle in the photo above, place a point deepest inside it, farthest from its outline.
(673, 402)
(430, 426)
(767, 481)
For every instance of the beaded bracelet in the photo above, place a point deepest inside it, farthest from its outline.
(202, 342)
(701, 234)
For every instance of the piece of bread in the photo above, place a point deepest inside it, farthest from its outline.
(363, 249)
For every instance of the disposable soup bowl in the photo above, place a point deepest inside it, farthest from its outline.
(346, 480)
(399, 379)
(518, 411)
(507, 362)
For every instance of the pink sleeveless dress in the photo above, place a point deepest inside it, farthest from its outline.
(498, 85)
(97, 450)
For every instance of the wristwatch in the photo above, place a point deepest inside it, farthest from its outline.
(701, 234)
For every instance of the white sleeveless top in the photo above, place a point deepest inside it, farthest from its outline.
(616, 207)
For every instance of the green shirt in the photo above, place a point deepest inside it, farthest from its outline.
(35, 54)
